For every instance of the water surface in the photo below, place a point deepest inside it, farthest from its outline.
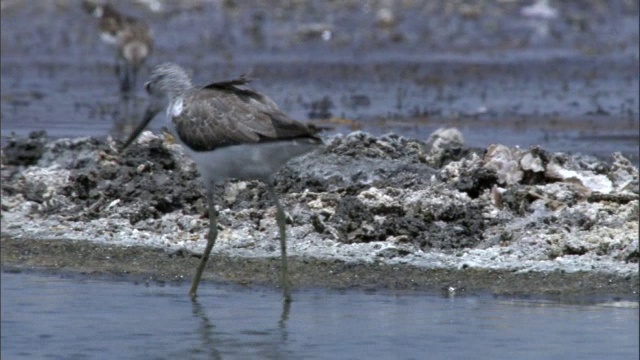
(568, 83)
(47, 316)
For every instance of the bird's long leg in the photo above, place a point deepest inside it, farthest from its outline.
(211, 239)
(280, 219)
(125, 78)
(133, 75)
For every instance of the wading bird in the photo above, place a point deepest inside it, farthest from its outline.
(231, 132)
(131, 37)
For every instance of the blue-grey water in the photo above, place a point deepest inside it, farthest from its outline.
(55, 317)
(567, 84)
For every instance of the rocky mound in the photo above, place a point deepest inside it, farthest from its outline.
(434, 204)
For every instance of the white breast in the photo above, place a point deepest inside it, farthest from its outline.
(176, 108)
(109, 38)
(97, 12)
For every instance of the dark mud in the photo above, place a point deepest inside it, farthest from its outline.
(140, 264)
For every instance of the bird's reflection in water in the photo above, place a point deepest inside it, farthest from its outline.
(282, 323)
(213, 340)
(206, 330)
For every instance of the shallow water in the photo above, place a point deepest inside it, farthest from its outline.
(47, 316)
(567, 84)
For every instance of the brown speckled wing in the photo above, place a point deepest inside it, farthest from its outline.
(218, 116)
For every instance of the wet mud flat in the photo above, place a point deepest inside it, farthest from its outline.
(365, 212)
(159, 267)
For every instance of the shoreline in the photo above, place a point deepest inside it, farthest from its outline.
(364, 212)
(150, 265)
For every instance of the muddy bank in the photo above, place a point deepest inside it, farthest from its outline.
(156, 266)
(364, 211)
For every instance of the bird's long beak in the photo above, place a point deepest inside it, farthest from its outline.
(149, 114)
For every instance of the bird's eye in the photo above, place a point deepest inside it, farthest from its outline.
(147, 87)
